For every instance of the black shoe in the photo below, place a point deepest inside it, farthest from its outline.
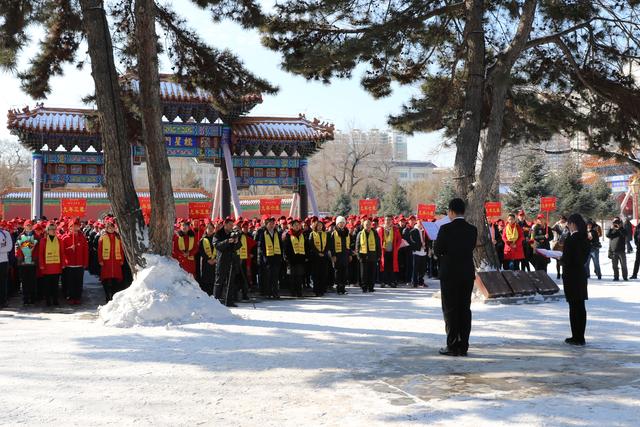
(446, 351)
(574, 341)
(633, 277)
(558, 277)
(231, 305)
(615, 279)
(625, 279)
(599, 277)
(372, 290)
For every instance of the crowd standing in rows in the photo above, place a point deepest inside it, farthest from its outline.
(231, 258)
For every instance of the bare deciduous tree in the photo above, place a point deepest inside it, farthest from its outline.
(14, 163)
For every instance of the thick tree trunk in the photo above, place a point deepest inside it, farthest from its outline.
(498, 85)
(116, 147)
(467, 140)
(158, 169)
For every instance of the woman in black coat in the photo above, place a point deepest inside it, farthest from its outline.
(574, 277)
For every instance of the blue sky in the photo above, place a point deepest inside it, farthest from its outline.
(343, 102)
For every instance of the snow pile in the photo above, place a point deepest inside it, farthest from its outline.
(162, 293)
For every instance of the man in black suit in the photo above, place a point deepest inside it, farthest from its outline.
(454, 247)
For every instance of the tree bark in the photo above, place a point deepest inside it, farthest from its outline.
(158, 168)
(498, 85)
(116, 147)
(468, 137)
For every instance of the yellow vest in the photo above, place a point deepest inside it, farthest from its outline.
(337, 242)
(272, 246)
(192, 241)
(319, 240)
(209, 250)
(52, 251)
(243, 251)
(106, 247)
(298, 244)
(367, 245)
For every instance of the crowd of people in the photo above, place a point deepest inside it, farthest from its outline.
(232, 258)
(47, 260)
(517, 239)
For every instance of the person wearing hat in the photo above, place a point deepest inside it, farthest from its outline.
(6, 246)
(540, 239)
(185, 247)
(513, 237)
(246, 252)
(319, 258)
(390, 240)
(369, 252)
(111, 259)
(76, 260)
(208, 257)
(270, 259)
(340, 248)
(295, 255)
(50, 261)
(227, 244)
(26, 255)
(526, 246)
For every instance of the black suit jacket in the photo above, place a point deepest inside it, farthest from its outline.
(574, 275)
(454, 247)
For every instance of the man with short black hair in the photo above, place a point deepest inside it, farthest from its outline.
(454, 247)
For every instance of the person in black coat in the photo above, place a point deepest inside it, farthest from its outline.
(574, 277)
(227, 263)
(295, 255)
(207, 260)
(368, 251)
(617, 236)
(454, 247)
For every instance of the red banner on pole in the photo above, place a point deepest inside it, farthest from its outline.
(145, 206)
(548, 204)
(426, 212)
(368, 207)
(493, 209)
(199, 210)
(73, 207)
(270, 206)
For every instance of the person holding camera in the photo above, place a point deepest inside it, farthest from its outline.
(226, 242)
(617, 236)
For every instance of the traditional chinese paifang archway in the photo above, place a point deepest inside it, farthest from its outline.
(260, 151)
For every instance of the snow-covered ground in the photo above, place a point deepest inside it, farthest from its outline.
(359, 359)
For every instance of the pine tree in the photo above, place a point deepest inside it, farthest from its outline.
(136, 43)
(572, 195)
(606, 205)
(531, 184)
(342, 205)
(550, 48)
(395, 201)
(447, 192)
(372, 191)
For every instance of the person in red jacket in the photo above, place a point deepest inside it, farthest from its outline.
(50, 259)
(390, 241)
(513, 236)
(76, 260)
(185, 247)
(111, 259)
